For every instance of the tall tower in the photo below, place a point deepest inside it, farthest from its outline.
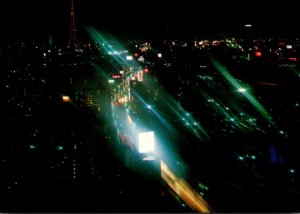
(73, 31)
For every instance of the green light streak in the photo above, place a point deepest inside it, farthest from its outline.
(197, 130)
(295, 71)
(102, 73)
(235, 84)
(105, 44)
(223, 110)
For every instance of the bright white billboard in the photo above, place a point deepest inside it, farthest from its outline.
(146, 142)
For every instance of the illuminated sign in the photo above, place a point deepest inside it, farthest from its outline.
(146, 142)
(116, 76)
(140, 76)
(129, 58)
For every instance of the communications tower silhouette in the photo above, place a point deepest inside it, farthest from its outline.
(72, 31)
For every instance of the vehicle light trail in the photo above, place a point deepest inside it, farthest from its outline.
(184, 190)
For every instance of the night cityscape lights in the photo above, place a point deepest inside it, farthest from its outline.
(152, 117)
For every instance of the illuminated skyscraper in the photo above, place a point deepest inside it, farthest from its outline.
(88, 94)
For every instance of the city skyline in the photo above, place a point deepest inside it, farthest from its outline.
(35, 19)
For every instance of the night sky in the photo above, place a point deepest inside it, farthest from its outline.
(32, 18)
